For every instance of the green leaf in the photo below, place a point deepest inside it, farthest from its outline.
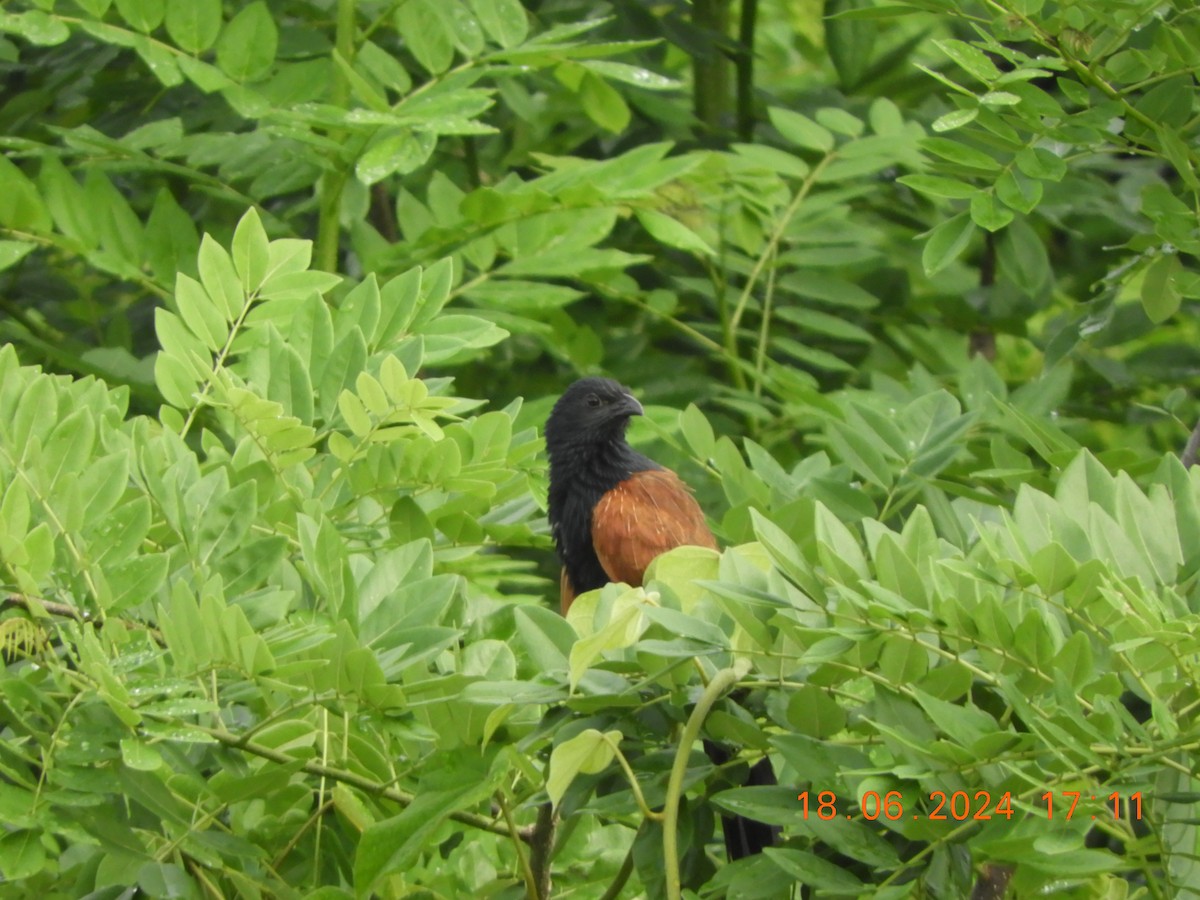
(144, 15)
(838, 548)
(363, 89)
(864, 452)
(37, 27)
(175, 378)
(589, 752)
(394, 844)
(223, 517)
(1018, 191)
(21, 855)
(603, 104)
(801, 130)
(21, 206)
(220, 279)
(425, 35)
(251, 251)
(903, 660)
(394, 151)
(121, 232)
(987, 213)
(624, 625)
(1053, 568)
(200, 313)
(194, 24)
(178, 341)
(849, 41)
(970, 58)
(946, 243)
(383, 67)
(956, 119)
(505, 21)
(840, 121)
(171, 239)
(339, 369)
(960, 153)
(672, 232)
(993, 99)
(772, 159)
(136, 580)
(697, 432)
(298, 285)
(68, 446)
(1023, 257)
(67, 203)
(1160, 295)
(812, 711)
(1179, 153)
(938, 186)
(287, 256)
(354, 413)
(246, 47)
(628, 74)
(12, 252)
(809, 869)
(1037, 162)
(141, 756)
(447, 336)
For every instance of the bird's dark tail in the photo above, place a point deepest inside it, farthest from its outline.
(744, 837)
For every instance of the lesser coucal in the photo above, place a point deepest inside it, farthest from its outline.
(612, 511)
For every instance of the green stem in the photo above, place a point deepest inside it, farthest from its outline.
(710, 67)
(633, 782)
(522, 860)
(334, 181)
(745, 70)
(764, 333)
(374, 788)
(773, 241)
(721, 682)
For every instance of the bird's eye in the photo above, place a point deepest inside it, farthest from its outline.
(593, 401)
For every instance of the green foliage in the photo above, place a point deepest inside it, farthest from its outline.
(275, 616)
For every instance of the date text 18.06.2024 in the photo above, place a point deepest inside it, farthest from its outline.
(961, 806)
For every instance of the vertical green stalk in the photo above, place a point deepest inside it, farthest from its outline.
(722, 681)
(332, 183)
(710, 68)
(764, 332)
(745, 70)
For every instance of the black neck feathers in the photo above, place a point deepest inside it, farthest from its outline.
(579, 477)
(589, 456)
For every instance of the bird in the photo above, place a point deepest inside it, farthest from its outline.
(612, 510)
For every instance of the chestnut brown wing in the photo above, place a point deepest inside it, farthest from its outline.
(644, 516)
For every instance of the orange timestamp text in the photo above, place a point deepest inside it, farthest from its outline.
(961, 806)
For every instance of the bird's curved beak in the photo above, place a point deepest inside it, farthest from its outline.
(630, 406)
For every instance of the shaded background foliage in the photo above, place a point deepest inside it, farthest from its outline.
(907, 260)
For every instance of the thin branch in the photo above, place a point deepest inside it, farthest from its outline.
(541, 847)
(34, 605)
(768, 252)
(532, 885)
(375, 788)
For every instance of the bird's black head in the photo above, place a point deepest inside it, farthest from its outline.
(591, 412)
(585, 438)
